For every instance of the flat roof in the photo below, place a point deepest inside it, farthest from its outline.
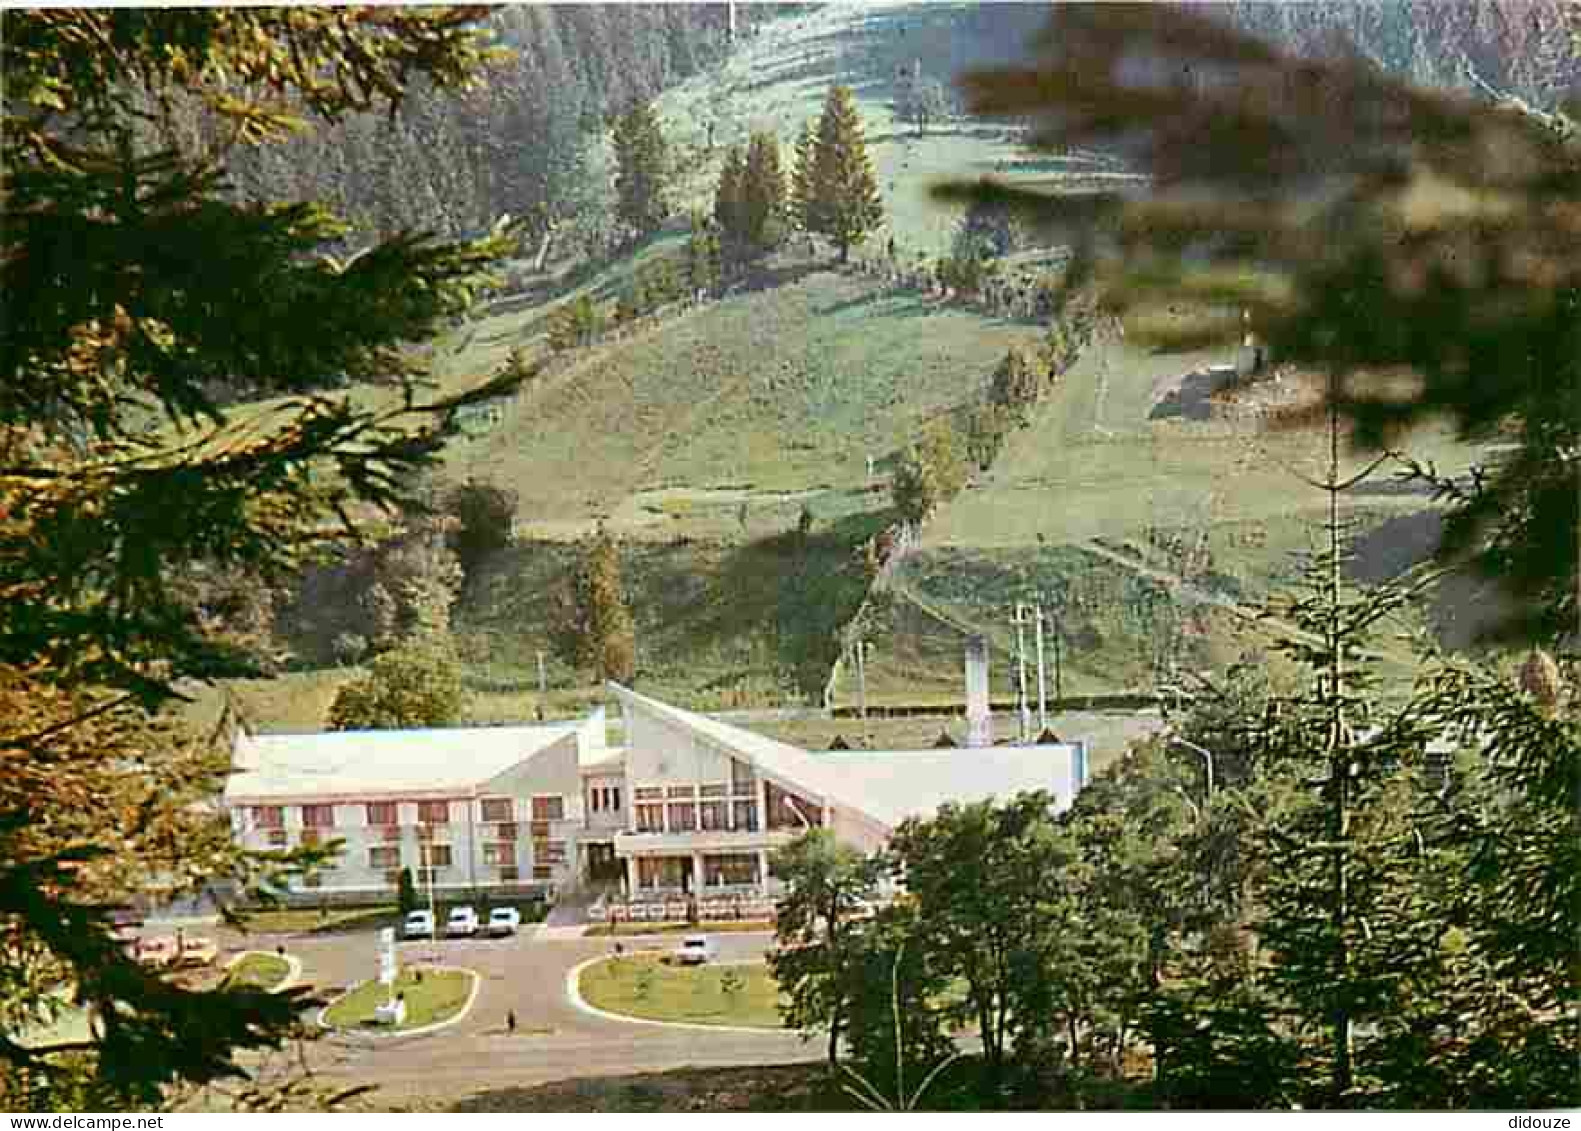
(376, 762)
(892, 785)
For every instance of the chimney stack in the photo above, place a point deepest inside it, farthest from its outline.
(979, 720)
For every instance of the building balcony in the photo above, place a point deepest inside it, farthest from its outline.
(718, 840)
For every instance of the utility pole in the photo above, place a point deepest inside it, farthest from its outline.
(1043, 700)
(1021, 673)
(861, 690)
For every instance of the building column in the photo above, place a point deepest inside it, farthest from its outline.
(763, 805)
(697, 874)
(631, 877)
(763, 870)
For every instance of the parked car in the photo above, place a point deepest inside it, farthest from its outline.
(696, 950)
(503, 921)
(418, 925)
(463, 923)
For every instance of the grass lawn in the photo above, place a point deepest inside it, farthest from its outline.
(310, 920)
(646, 987)
(258, 970)
(605, 930)
(438, 997)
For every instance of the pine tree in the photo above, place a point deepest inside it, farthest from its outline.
(803, 164)
(594, 627)
(729, 195)
(643, 174)
(175, 283)
(843, 197)
(763, 194)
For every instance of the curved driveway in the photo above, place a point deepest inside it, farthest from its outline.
(553, 1040)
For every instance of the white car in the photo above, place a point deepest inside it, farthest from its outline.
(696, 950)
(503, 921)
(418, 925)
(463, 922)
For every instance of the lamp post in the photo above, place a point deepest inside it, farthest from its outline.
(426, 833)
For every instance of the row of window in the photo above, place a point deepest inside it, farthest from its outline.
(718, 871)
(387, 857)
(387, 813)
(688, 816)
(604, 798)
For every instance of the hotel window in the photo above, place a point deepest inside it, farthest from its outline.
(650, 818)
(498, 855)
(553, 852)
(747, 816)
(318, 816)
(714, 789)
(509, 873)
(497, 809)
(683, 817)
(548, 808)
(542, 872)
(658, 872)
(595, 799)
(435, 855)
(682, 791)
(384, 856)
(382, 813)
(648, 793)
(268, 817)
(614, 798)
(433, 812)
(735, 871)
(713, 815)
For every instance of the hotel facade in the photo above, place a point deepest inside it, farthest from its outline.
(685, 806)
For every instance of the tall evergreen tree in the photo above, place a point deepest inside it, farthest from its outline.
(642, 170)
(594, 629)
(803, 164)
(843, 201)
(729, 195)
(135, 281)
(763, 194)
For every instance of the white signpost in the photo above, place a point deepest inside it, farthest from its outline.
(387, 965)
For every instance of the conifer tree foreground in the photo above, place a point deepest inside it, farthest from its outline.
(136, 282)
(843, 201)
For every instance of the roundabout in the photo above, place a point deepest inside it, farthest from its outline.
(430, 998)
(645, 989)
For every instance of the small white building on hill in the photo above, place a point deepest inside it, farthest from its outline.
(687, 806)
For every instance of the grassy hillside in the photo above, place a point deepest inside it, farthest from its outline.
(1149, 520)
(772, 398)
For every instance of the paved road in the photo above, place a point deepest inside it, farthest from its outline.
(554, 1040)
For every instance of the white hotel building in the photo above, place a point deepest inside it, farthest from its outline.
(687, 805)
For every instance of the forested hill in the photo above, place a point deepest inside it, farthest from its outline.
(1521, 46)
(518, 144)
(453, 165)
